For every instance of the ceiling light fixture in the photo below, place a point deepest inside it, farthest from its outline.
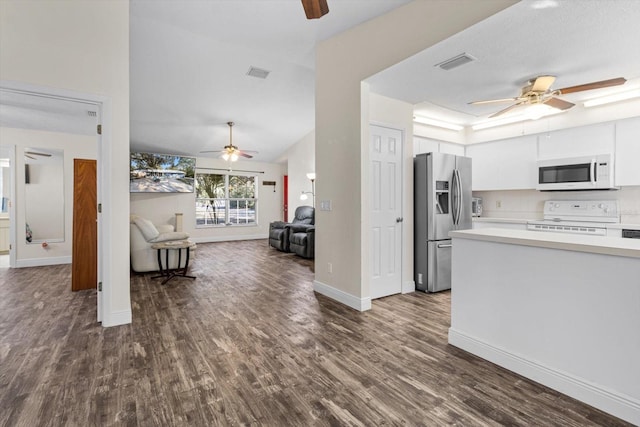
(437, 123)
(621, 96)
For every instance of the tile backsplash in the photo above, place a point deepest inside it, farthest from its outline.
(528, 204)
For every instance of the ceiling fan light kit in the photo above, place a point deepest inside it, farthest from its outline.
(538, 91)
(231, 152)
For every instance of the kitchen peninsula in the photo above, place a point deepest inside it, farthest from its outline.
(563, 310)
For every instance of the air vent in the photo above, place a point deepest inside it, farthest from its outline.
(258, 72)
(92, 114)
(456, 61)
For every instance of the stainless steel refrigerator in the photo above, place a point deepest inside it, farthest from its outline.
(442, 202)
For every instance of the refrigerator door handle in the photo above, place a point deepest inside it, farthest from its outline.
(454, 198)
(460, 200)
(444, 245)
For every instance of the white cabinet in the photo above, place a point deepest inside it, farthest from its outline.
(627, 152)
(451, 148)
(426, 145)
(508, 164)
(579, 141)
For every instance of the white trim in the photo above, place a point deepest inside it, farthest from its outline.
(622, 406)
(360, 304)
(215, 239)
(117, 318)
(408, 286)
(39, 262)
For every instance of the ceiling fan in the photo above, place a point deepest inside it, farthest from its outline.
(30, 154)
(538, 91)
(315, 9)
(231, 152)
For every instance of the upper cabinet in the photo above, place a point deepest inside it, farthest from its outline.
(579, 141)
(426, 145)
(627, 151)
(508, 164)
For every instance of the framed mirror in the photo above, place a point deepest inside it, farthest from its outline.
(44, 195)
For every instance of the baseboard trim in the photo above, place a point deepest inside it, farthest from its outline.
(619, 405)
(360, 304)
(215, 239)
(40, 262)
(116, 318)
(408, 287)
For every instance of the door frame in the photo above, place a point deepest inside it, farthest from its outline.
(366, 254)
(104, 164)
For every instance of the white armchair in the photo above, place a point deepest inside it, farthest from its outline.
(143, 234)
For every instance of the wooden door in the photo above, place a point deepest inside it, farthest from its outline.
(386, 211)
(84, 267)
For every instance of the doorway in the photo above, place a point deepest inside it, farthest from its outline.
(33, 107)
(385, 171)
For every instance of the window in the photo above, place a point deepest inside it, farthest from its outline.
(224, 199)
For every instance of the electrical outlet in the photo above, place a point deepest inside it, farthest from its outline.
(498, 204)
(330, 267)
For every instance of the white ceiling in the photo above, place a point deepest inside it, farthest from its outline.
(577, 41)
(189, 61)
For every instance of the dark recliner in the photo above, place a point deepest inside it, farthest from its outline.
(280, 232)
(302, 240)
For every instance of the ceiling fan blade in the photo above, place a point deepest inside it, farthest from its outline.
(35, 153)
(542, 83)
(243, 154)
(493, 101)
(315, 9)
(558, 103)
(501, 112)
(30, 157)
(595, 85)
(211, 151)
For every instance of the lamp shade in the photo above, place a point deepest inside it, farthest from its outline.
(311, 175)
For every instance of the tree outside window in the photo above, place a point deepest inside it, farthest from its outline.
(223, 199)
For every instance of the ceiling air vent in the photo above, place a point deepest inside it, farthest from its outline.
(456, 61)
(92, 114)
(258, 72)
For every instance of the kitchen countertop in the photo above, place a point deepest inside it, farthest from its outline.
(571, 242)
(625, 226)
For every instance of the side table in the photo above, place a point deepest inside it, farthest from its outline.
(165, 271)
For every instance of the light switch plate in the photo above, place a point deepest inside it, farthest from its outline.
(325, 205)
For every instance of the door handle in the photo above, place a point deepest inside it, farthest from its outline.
(399, 219)
(444, 245)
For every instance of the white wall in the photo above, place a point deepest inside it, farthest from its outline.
(300, 161)
(161, 208)
(342, 121)
(83, 46)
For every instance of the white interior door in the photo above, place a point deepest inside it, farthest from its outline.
(386, 211)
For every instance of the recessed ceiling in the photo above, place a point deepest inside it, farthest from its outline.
(577, 41)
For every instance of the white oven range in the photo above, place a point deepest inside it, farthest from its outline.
(577, 217)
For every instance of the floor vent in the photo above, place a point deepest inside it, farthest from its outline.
(258, 72)
(456, 61)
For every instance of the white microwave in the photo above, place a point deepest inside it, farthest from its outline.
(576, 173)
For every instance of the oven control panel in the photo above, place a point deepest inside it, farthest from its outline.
(582, 210)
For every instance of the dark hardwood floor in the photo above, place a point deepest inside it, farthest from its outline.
(249, 343)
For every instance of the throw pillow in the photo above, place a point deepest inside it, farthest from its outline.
(148, 230)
